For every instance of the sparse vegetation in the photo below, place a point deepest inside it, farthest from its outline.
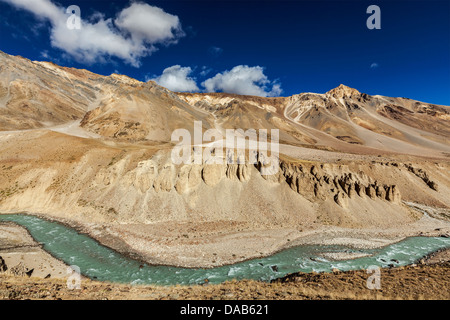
(397, 283)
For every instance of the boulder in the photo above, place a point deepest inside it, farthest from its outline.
(317, 172)
(195, 176)
(305, 185)
(213, 173)
(370, 191)
(164, 181)
(3, 266)
(319, 192)
(380, 192)
(182, 183)
(232, 171)
(351, 191)
(393, 194)
(341, 199)
(18, 270)
(360, 189)
(244, 172)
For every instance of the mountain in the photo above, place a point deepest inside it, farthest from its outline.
(41, 94)
(343, 119)
(96, 150)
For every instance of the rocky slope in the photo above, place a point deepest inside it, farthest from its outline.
(41, 94)
(342, 119)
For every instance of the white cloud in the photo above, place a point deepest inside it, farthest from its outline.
(244, 80)
(132, 36)
(205, 71)
(43, 9)
(241, 79)
(374, 65)
(176, 78)
(215, 51)
(151, 24)
(45, 55)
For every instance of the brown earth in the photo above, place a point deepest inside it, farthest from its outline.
(21, 254)
(423, 281)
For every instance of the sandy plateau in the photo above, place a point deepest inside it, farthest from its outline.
(94, 152)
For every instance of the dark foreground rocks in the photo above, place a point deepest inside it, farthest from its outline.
(420, 281)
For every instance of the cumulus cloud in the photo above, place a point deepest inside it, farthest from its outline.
(241, 79)
(151, 24)
(374, 65)
(244, 80)
(176, 78)
(130, 37)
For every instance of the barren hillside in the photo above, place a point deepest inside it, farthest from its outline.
(96, 151)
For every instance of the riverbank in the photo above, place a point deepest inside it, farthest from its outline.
(214, 244)
(423, 281)
(208, 245)
(22, 255)
(104, 264)
(428, 279)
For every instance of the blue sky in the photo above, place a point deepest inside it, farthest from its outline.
(264, 48)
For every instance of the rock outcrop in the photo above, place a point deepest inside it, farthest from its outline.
(3, 266)
(213, 173)
(423, 175)
(19, 270)
(315, 182)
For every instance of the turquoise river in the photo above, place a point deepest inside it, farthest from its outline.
(101, 263)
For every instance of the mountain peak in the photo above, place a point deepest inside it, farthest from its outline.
(343, 91)
(124, 78)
